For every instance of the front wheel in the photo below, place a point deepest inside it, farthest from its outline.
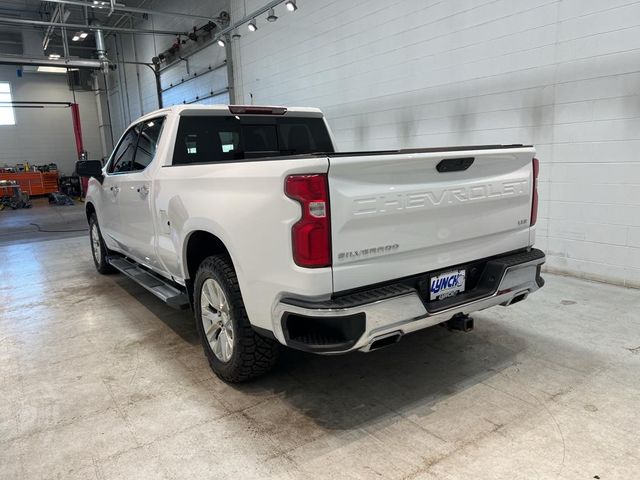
(236, 353)
(98, 248)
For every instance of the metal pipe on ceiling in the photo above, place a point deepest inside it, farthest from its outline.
(100, 45)
(77, 26)
(63, 63)
(101, 48)
(123, 8)
(29, 102)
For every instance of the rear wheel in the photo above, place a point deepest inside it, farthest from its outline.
(98, 249)
(235, 351)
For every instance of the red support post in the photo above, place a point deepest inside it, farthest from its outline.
(77, 128)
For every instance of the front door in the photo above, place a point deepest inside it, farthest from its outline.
(119, 164)
(135, 199)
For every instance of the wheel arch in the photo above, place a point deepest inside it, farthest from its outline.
(198, 245)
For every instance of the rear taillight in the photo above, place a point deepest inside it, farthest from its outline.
(311, 235)
(534, 203)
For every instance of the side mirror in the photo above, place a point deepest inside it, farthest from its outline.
(89, 168)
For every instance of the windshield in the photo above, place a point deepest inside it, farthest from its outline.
(206, 139)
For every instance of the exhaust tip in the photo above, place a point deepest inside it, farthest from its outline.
(517, 298)
(385, 341)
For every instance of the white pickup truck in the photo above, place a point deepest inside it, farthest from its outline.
(247, 215)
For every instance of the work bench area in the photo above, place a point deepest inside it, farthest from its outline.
(33, 183)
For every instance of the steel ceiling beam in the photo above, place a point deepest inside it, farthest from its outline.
(79, 26)
(119, 7)
(59, 14)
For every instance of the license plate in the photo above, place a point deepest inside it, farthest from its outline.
(447, 284)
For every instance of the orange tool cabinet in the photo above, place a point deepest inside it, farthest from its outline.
(34, 183)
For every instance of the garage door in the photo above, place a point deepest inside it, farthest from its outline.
(198, 78)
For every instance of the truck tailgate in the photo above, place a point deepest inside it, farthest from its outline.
(398, 214)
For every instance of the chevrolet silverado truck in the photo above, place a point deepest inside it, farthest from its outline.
(248, 216)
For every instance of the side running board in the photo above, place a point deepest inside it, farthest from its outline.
(155, 284)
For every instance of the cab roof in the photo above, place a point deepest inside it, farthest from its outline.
(224, 110)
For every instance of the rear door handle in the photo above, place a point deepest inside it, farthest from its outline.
(143, 191)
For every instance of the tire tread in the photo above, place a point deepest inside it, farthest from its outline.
(256, 355)
(104, 267)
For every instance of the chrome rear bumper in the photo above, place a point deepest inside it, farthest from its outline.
(398, 309)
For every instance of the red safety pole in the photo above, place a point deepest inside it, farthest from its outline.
(77, 129)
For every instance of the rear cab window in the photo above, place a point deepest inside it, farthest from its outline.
(216, 138)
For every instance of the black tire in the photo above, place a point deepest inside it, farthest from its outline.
(252, 355)
(97, 245)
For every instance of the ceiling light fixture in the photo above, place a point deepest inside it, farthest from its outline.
(221, 42)
(272, 15)
(291, 5)
(79, 36)
(253, 26)
(45, 69)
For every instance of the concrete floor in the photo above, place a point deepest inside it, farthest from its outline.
(99, 380)
(41, 222)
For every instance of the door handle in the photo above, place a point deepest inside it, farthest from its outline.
(143, 191)
(115, 189)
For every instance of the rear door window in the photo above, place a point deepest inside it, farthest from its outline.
(207, 139)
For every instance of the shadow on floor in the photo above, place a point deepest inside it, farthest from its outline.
(346, 391)
(354, 390)
(180, 321)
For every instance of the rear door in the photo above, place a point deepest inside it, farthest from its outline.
(400, 214)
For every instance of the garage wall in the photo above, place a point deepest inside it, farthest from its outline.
(563, 75)
(132, 88)
(43, 136)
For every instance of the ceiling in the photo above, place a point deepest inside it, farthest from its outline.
(12, 40)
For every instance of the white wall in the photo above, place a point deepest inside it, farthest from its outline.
(42, 136)
(563, 75)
